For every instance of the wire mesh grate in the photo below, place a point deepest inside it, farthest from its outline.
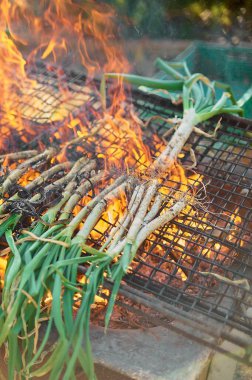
(215, 238)
(226, 166)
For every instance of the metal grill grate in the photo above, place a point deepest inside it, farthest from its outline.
(170, 264)
(226, 166)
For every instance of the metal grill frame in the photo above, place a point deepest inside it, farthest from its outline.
(226, 163)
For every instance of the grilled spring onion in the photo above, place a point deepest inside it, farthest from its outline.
(31, 271)
(56, 264)
(199, 105)
(82, 165)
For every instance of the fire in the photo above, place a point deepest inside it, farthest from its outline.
(115, 210)
(3, 263)
(78, 126)
(13, 80)
(99, 300)
(123, 145)
(58, 28)
(53, 32)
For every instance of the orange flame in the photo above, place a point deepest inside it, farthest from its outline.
(60, 28)
(52, 31)
(61, 31)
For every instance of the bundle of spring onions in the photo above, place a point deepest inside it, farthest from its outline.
(44, 259)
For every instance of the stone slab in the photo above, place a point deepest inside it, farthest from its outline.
(156, 353)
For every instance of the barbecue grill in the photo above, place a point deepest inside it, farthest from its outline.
(198, 268)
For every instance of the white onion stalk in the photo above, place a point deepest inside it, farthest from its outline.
(77, 220)
(154, 210)
(115, 230)
(83, 165)
(72, 195)
(79, 193)
(176, 144)
(48, 174)
(160, 221)
(80, 166)
(16, 174)
(38, 181)
(97, 211)
(123, 224)
(131, 243)
(15, 156)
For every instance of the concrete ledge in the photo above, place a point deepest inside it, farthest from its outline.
(156, 353)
